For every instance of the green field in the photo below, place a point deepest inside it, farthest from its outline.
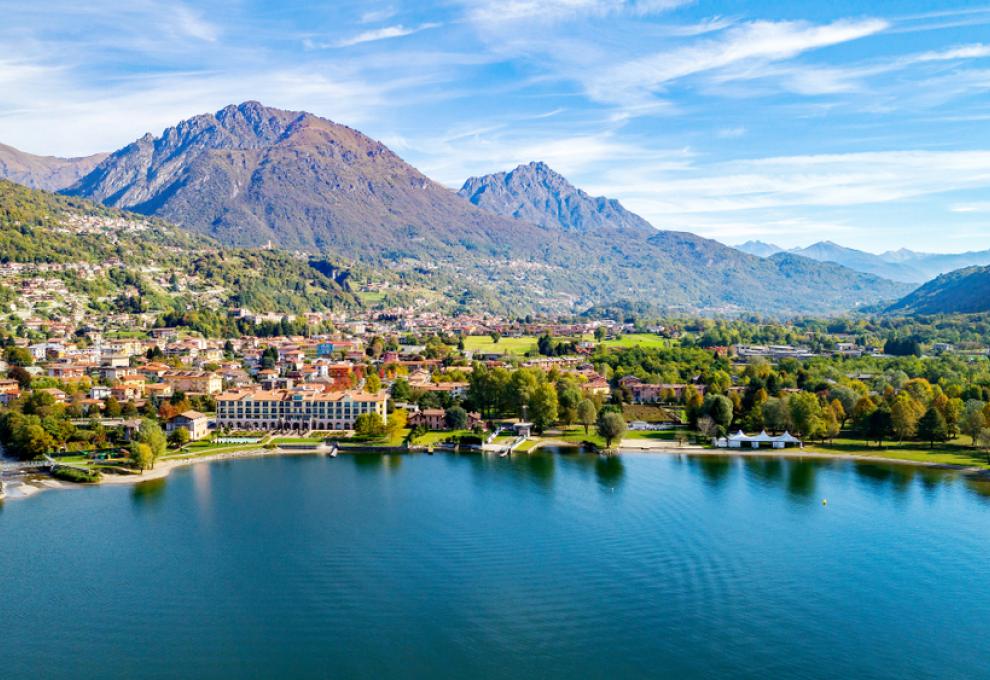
(517, 346)
(648, 340)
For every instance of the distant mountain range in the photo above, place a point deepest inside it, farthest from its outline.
(903, 265)
(963, 291)
(44, 172)
(525, 239)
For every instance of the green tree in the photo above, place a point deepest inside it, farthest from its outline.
(18, 356)
(543, 406)
(932, 427)
(151, 434)
(141, 456)
(372, 383)
(456, 418)
(179, 437)
(879, 425)
(611, 425)
(973, 420)
(369, 425)
(719, 408)
(806, 414)
(586, 412)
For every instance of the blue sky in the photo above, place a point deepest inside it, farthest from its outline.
(864, 123)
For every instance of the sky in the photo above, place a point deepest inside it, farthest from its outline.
(867, 124)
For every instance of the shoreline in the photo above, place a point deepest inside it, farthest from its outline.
(30, 487)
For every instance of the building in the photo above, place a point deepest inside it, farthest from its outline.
(436, 419)
(740, 440)
(296, 409)
(194, 422)
(197, 382)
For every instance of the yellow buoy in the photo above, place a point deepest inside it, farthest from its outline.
(824, 501)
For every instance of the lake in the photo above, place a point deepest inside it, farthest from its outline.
(551, 566)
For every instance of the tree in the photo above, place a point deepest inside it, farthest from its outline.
(21, 375)
(839, 411)
(111, 408)
(587, 413)
(369, 425)
(776, 415)
(179, 437)
(456, 418)
(18, 356)
(151, 434)
(372, 383)
(932, 427)
(719, 408)
(707, 426)
(600, 333)
(543, 406)
(611, 426)
(905, 414)
(397, 421)
(830, 420)
(806, 414)
(973, 420)
(141, 456)
(401, 390)
(879, 425)
(495, 336)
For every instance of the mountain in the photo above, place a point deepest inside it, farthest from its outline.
(963, 291)
(537, 194)
(759, 248)
(902, 265)
(44, 172)
(110, 260)
(249, 174)
(861, 261)
(930, 265)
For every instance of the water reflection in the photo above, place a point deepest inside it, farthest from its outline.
(764, 469)
(714, 469)
(610, 471)
(150, 493)
(368, 462)
(801, 477)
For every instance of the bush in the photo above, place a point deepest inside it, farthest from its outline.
(70, 474)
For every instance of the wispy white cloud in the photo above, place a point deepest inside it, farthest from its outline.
(376, 15)
(504, 11)
(976, 207)
(385, 33)
(758, 42)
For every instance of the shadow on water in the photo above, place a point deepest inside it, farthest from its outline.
(538, 467)
(610, 471)
(801, 478)
(368, 462)
(714, 469)
(896, 478)
(150, 493)
(764, 469)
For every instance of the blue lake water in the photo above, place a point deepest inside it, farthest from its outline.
(471, 567)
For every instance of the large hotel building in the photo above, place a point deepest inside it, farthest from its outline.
(296, 409)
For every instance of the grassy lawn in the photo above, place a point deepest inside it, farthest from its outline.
(371, 297)
(390, 441)
(528, 445)
(431, 438)
(574, 434)
(648, 340)
(483, 343)
(661, 435)
(952, 453)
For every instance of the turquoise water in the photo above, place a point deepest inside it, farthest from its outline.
(470, 567)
